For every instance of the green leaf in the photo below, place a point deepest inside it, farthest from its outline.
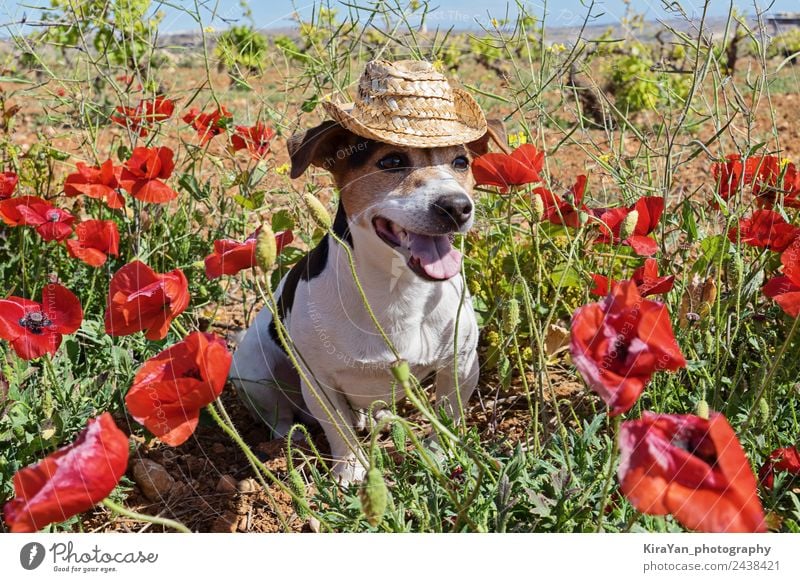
(244, 202)
(282, 220)
(566, 276)
(310, 104)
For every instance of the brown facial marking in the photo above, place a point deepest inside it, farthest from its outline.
(364, 183)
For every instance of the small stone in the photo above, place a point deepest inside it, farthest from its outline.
(218, 448)
(314, 524)
(242, 523)
(153, 479)
(194, 465)
(225, 523)
(247, 486)
(227, 484)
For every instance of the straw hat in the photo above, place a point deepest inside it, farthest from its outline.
(409, 103)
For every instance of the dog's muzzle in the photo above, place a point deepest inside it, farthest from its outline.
(453, 208)
(430, 256)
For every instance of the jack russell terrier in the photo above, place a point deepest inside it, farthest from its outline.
(400, 158)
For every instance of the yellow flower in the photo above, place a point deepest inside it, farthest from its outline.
(208, 29)
(495, 23)
(517, 139)
(785, 162)
(605, 158)
(283, 169)
(557, 47)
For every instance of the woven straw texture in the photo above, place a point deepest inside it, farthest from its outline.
(409, 103)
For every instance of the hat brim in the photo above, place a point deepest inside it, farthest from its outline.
(469, 125)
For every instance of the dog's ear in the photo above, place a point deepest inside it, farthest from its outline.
(496, 132)
(314, 146)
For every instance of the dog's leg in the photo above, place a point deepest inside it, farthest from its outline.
(468, 370)
(338, 421)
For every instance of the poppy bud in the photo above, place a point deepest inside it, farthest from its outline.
(702, 409)
(511, 316)
(318, 211)
(763, 409)
(374, 496)
(736, 270)
(537, 206)
(399, 436)
(629, 225)
(298, 487)
(266, 247)
(401, 372)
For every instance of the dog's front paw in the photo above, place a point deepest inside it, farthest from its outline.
(349, 470)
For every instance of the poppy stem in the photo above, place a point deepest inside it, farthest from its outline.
(351, 261)
(259, 468)
(170, 523)
(768, 378)
(179, 326)
(615, 422)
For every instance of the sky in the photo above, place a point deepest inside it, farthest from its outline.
(458, 13)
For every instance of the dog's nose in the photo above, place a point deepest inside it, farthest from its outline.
(454, 207)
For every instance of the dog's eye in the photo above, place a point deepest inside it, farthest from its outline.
(461, 163)
(392, 162)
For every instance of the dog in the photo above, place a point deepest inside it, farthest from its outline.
(399, 209)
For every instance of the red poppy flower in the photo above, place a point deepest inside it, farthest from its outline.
(255, 139)
(786, 460)
(8, 183)
(35, 329)
(96, 240)
(691, 468)
(230, 256)
(522, 166)
(648, 210)
(71, 480)
(142, 174)
(785, 289)
(766, 229)
(139, 299)
(619, 343)
(757, 171)
(141, 118)
(567, 210)
(645, 277)
(50, 222)
(96, 182)
(170, 389)
(210, 124)
(784, 188)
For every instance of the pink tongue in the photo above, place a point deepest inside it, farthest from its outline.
(436, 255)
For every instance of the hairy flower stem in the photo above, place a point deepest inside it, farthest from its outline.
(768, 378)
(615, 422)
(170, 523)
(259, 468)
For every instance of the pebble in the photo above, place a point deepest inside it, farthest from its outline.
(153, 479)
(314, 524)
(225, 523)
(248, 486)
(227, 484)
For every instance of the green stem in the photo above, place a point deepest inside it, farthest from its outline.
(615, 422)
(772, 370)
(363, 295)
(170, 523)
(255, 463)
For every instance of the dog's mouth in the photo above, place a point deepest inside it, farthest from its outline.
(431, 256)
